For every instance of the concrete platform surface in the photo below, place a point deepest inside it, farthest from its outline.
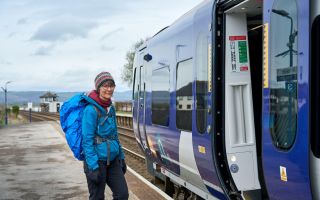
(35, 163)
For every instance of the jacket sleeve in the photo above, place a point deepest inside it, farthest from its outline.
(89, 126)
(121, 154)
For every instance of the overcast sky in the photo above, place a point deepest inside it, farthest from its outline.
(60, 45)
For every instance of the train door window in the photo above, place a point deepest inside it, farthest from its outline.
(135, 85)
(142, 84)
(160, 96)
(201, 82)
(283, 73)
(184, 95)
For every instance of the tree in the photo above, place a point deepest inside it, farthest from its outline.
(15, 110)
(126, 74)
(1, 117)
(8, 111)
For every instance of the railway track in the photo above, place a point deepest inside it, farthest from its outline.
(40, 116)
(134, 156)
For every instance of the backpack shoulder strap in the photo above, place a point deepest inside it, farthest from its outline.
(98, 112)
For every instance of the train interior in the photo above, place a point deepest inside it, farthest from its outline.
(315, 72)
(243, 95)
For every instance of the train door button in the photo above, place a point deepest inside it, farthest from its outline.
(234, 168)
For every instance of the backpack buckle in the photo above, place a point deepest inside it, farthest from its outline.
(99, 140)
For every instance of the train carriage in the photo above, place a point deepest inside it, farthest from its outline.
(225, 100)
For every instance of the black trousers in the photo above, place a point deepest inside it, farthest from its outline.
(111, 175)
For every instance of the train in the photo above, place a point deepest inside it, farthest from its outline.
(226, 100)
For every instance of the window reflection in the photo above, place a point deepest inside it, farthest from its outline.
(160, 96)
(202, 82)
(184, 95)
(283, 73)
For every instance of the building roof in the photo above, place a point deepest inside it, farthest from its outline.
(49, 95)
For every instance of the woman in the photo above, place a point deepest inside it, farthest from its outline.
(104, 159)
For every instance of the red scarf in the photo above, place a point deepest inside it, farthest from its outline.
(95, 96)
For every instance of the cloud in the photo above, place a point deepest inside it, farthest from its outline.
(111, 33)
(12, 34)
(22, 21)
(44, 50)
(51, 37)
(77, 79)
(107, 48)
(64, 29)
(78, 74)
(4, 62)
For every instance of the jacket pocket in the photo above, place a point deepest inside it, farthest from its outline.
(102, 150)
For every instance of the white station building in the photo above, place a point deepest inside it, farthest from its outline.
(49, 102)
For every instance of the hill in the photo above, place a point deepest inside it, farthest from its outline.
(23, 97)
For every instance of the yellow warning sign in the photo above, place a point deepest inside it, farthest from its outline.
(202, 149)
(283, 173)
(266, 55)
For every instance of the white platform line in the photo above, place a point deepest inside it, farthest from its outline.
(149, 184)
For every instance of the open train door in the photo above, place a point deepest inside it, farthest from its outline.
(285, 114)
(240, 146)
(315, 98)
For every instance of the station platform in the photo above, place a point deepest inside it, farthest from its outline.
(36, 163)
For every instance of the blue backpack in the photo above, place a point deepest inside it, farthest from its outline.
(71, 113)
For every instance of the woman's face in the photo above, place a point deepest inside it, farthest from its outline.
(106, 90)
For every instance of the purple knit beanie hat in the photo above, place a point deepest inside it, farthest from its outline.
(102, 78)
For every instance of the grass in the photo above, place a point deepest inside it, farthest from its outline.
(1, 118)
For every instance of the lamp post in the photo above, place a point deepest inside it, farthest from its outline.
(292, 35)
(5, 101)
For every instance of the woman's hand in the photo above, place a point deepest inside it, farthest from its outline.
(123, 166)
(94, 175)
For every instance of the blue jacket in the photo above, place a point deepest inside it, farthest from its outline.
(90, 127)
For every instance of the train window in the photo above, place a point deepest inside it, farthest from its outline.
(283, 73)
(202, 82)
(184, 95)
(160, 96)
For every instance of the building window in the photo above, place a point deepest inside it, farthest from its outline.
(160, 96)
(283, 73)
(184, 95)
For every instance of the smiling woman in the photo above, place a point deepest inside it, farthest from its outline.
(104, 159)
